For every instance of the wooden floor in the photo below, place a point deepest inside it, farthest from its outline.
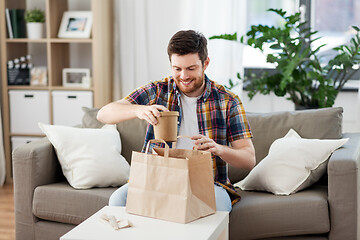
(7, 219)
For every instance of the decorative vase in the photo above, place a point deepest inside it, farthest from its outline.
(34, 30)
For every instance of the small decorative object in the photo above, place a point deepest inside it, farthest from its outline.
(35, 19)
(76, 24)
(114, 223)
(18, 70)
(38, 76)
(76, 77)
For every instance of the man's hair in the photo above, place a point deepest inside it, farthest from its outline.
(185, 42)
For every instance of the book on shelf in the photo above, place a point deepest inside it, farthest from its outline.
(17, 19)
(8, 23)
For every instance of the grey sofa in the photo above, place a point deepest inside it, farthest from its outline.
(46, 206)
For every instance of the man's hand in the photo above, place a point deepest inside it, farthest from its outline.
(241, 154)
(207, 144)
(123, 110)
(149, 113)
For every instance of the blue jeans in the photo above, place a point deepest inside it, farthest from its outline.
(223, 201)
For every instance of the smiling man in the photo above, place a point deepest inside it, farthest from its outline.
(213, 116)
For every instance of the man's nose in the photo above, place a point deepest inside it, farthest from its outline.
(184, 74)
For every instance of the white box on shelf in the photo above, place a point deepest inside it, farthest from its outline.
(27, 108)
(67, 106)
(18, 141)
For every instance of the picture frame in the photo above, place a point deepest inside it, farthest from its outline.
(76, 24)
(76, 77)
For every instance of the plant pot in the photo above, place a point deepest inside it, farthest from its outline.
(302, 107)
(34, 30)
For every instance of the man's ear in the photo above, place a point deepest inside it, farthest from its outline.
(206, 63)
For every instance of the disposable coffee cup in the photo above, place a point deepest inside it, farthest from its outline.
(166, 128)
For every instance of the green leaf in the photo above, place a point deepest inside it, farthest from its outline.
(275, 46)
(231, 84)
(35, 15)
(271, 58)
(317, 49)
(231, 37)
(238, 76)
(242, 39)
(356, 28)
(278, 11)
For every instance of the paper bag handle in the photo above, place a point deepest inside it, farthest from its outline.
(184, 136)
(166, 154)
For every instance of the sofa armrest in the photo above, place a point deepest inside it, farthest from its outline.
(344, 193)
(34, 164)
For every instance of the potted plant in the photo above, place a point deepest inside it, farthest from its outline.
(299, 74)
(35, 19)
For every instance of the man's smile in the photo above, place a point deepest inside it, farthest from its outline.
(186, 82)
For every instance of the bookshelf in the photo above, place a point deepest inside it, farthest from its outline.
(58, 54)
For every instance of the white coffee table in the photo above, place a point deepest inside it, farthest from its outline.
(213, 227)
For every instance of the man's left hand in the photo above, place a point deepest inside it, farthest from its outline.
(241, 154)
(207, 144)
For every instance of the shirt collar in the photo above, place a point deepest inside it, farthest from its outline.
(207, 91)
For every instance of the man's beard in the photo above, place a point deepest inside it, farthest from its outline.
(194, 84)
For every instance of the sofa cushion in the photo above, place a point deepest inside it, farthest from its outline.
(60, 202)
(89, 157)
(264, 215)
(293, 163)
(89, 119)
(132, 132)
(325, 123)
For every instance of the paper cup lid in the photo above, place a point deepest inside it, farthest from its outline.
(169, 114)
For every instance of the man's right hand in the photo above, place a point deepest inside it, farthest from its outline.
(149, 113)
(123, 110)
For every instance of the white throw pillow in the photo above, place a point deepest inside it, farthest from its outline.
(293, 163)
(89, 157)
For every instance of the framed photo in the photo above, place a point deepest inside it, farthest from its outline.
(76, 24)
(76, 77)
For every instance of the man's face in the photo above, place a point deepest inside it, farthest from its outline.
(188, 73)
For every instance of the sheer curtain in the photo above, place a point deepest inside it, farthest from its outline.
(143, 28)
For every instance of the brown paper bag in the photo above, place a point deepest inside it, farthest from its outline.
(175, 185)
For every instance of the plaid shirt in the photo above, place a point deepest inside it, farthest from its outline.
(220, 114)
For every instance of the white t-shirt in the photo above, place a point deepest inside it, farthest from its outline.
(189, 122)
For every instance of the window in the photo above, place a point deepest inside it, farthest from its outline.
(334, 22)
(257, 14)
